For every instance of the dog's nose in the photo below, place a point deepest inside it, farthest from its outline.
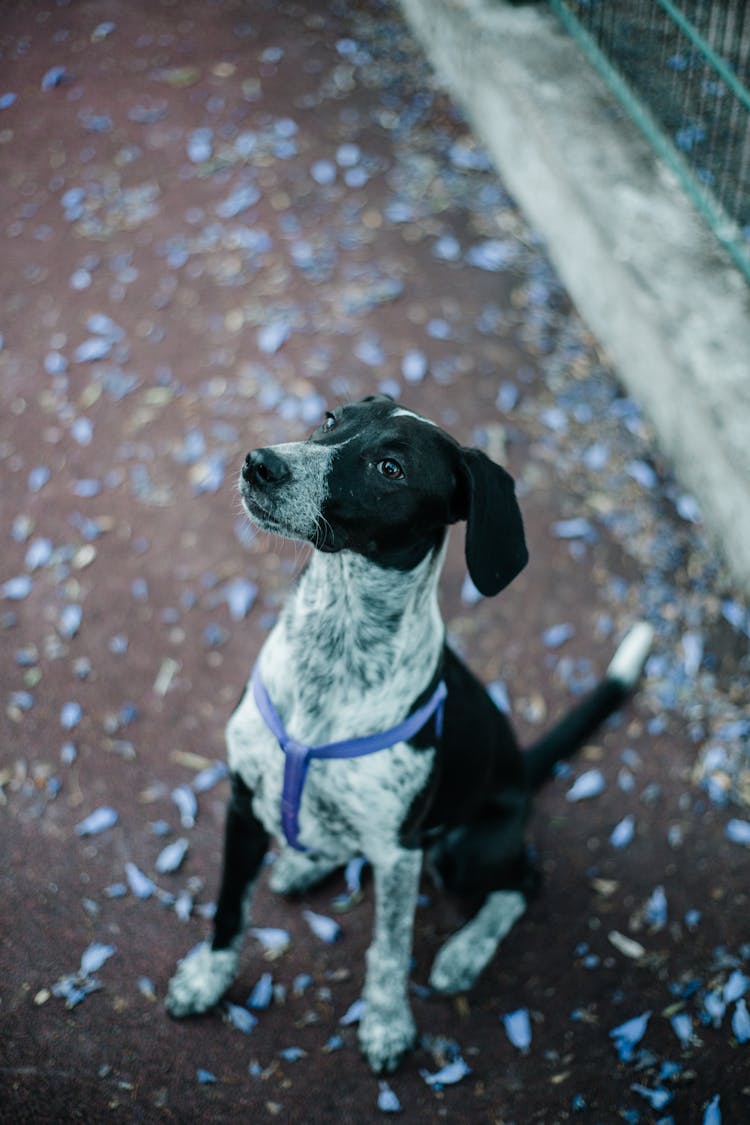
(263, 467)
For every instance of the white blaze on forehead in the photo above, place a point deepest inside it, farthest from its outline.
(402, 413)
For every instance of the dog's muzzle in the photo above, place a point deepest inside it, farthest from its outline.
(265, 469)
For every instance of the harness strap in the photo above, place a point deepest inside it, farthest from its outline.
(297, 756)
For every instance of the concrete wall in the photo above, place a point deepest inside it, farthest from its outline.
(644, 271)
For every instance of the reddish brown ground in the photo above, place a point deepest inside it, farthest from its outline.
(147, 549)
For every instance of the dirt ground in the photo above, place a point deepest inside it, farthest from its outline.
(216, 219)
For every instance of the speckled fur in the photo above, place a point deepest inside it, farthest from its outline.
(349, 626)
(363, 644)
(359, 641)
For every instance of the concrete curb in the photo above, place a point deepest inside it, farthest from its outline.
(648, 277)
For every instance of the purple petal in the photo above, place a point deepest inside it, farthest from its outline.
(623, 833)
(656, 909)
(589, 784)
(741, 1022)
(714, 1007)
(629, 1034)
(323, 927)
(70, 621)
(738, 831)
(682, 1025)
(657, 1099)
(240, 1018)
(16, 589)
(240, 594)
(273, 940)
(578, 528)
(292, 1054)
(272, 336)
(55, 76)
(736, 986)
(469, 593)
(518, 1029)
(414, 366)
(353, 1013)
(448, 1075)
(187, 805)
(170, 858)
(262, 993)
(140, 884)
(94, 957)
(71, 714)
(38, 554)
(557, 635)
(96, 347)
(210, 776)
(387, 1100)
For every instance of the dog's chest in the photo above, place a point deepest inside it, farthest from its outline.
(353, 649)
(345, 803)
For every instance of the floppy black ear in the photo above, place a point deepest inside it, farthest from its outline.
(495, 545)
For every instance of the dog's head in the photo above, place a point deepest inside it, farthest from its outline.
(379, 480)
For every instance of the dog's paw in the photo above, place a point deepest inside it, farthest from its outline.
(465, 955)
(293, 873)
(384, 1040)
(200, 981)
(454, 969)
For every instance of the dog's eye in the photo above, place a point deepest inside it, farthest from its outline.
(329, 421)
(390, 469)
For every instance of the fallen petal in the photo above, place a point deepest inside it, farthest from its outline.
(655, 910)
(657, 1098)
(98, 821)
(272, 939)
(387, 1100)
(738, 831)
(327, 929)
(623, 832)
(629, 1034)
(353, 1013)
(94, 957)
(240, 1018)
(170, 858)
(736, 986)
(208, 777)
(187, 805)
(140, 884)
(557, 635)
(448, 1075)
(741, 1022)
(16, 589)
(518, 1029)
(262, 993)
(682, 1025)
(589, 784)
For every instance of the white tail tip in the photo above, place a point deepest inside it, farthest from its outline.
(627, 663)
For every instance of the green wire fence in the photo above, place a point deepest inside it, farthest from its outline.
(681, 69)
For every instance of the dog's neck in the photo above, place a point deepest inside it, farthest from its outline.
(366, 610)
(365, 623)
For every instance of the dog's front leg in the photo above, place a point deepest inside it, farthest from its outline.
(387, 1028)
(202, 978)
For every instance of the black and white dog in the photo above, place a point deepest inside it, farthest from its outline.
(361, 731)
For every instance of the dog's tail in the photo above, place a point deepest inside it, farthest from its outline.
(571, 732)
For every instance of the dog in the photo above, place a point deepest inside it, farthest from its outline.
(361, 732)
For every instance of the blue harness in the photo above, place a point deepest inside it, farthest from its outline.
(297, 756)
